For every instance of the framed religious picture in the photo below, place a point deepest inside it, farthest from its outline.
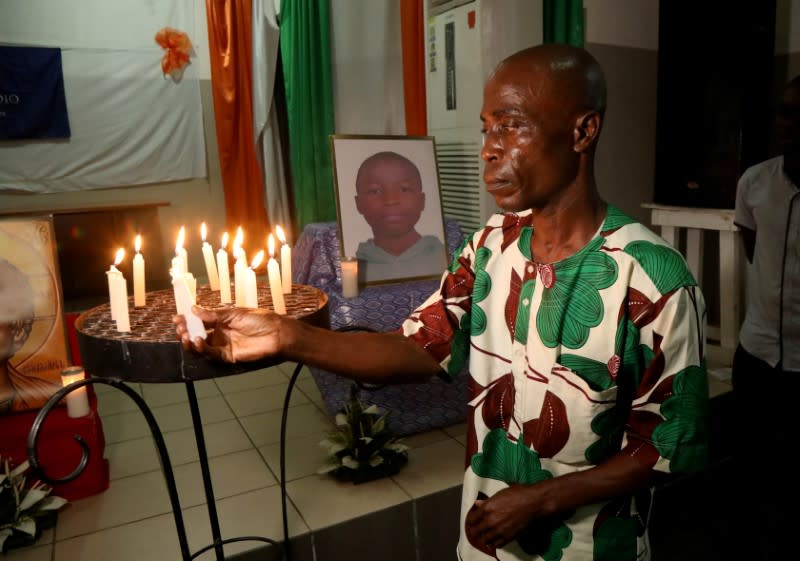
(389, 206)
(33, 346)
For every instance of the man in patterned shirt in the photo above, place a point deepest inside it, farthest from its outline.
(583, 331)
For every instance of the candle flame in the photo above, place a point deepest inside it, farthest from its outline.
(203, 231)
(257, 260)
(239, 239)
(224, 243)
(271, 245)
(119, 257)
(237, 250)
(137, 244)
(181, 236)
(281, 235)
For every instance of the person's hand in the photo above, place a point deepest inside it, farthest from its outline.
(236, 334)
(493, 522)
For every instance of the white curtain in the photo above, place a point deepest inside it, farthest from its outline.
(265, 123)
(130, 125)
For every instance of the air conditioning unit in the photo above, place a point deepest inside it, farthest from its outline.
(464, 41)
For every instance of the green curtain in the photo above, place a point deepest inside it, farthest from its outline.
(305, 53)
(563, 22)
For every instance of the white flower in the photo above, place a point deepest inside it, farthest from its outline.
(349, 462)
(366, 439)
(51, 503)
(341, 420)
(372, 410)
(376, 460)
(397, 447)
(27, 525)
(32, 497)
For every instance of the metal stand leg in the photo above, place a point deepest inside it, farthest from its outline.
(163, 455)
(201, 450)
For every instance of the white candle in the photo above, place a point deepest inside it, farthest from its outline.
(208, 256)
(191, 282)
(77, 400)
(138, 275)
(350, 278)
(181, 261)
(183, 305)
(286, 262)
(238, 241)
(118, 294)
(250, 284)
(274, 275)
(239, 267)
(224, 273)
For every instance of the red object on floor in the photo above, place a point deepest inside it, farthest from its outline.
(58, 452)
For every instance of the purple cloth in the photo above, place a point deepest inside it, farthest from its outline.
(414, 407)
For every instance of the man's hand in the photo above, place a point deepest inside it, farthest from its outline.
(496, 521)
(237, 334)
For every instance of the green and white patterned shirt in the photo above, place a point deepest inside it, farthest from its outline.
(570, 363)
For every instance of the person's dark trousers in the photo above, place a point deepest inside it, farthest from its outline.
(767, 409)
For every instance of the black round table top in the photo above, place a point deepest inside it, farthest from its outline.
(151, 352)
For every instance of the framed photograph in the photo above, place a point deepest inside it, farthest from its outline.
(33, 346)
(389, 206)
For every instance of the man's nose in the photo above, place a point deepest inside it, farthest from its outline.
(491, 149)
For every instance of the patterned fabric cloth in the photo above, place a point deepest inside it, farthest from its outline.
(414, 407)
(570, 363)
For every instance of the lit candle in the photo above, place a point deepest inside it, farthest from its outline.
(77, 400)
(224, 273)
(208, 256)
(350, 278)
(250, 285)
(180, 261)
(191, 282)
(239, 241)
(239, 268)
(138, 275)
(118, 294)
(274, 274)
(286, 262)
(183, 305)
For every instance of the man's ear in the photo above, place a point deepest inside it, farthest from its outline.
(586, 131)
(358, 206)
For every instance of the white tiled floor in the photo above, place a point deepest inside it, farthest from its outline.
(241, 414)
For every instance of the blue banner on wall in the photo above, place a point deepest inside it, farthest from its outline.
(32, 100)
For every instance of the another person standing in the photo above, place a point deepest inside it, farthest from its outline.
(766, 366)
(582, 330)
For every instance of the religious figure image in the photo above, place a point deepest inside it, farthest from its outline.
(390, 214)
(32, 340)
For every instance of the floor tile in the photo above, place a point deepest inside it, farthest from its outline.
(303, 457)
(153, 538)
(310, 389)
(158, 395)
(261, 400)
(302, 421)
(139, 455)
(124, 426)
(107, 388)
(114, 401)
(33, 553)
(250, 514)
(424, 438)
(323, 501)
(432, 468)
(457, 430)
(231, 474)
(250, 380)
(178, 416)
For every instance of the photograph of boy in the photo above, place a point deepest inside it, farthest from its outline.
(390, 196)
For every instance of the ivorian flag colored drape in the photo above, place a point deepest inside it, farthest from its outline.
(305, 50)
(563, 22)
(229, 43)
(412, 29)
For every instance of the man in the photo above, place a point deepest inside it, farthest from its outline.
(583, 330)
(766, 365)
(389, 196)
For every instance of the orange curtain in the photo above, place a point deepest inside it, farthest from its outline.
(230, 46)
(413, 37)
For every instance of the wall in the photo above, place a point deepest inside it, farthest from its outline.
(190, 202)
(623, 36)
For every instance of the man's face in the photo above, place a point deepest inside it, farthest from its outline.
(389, 196)
(527, 139)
